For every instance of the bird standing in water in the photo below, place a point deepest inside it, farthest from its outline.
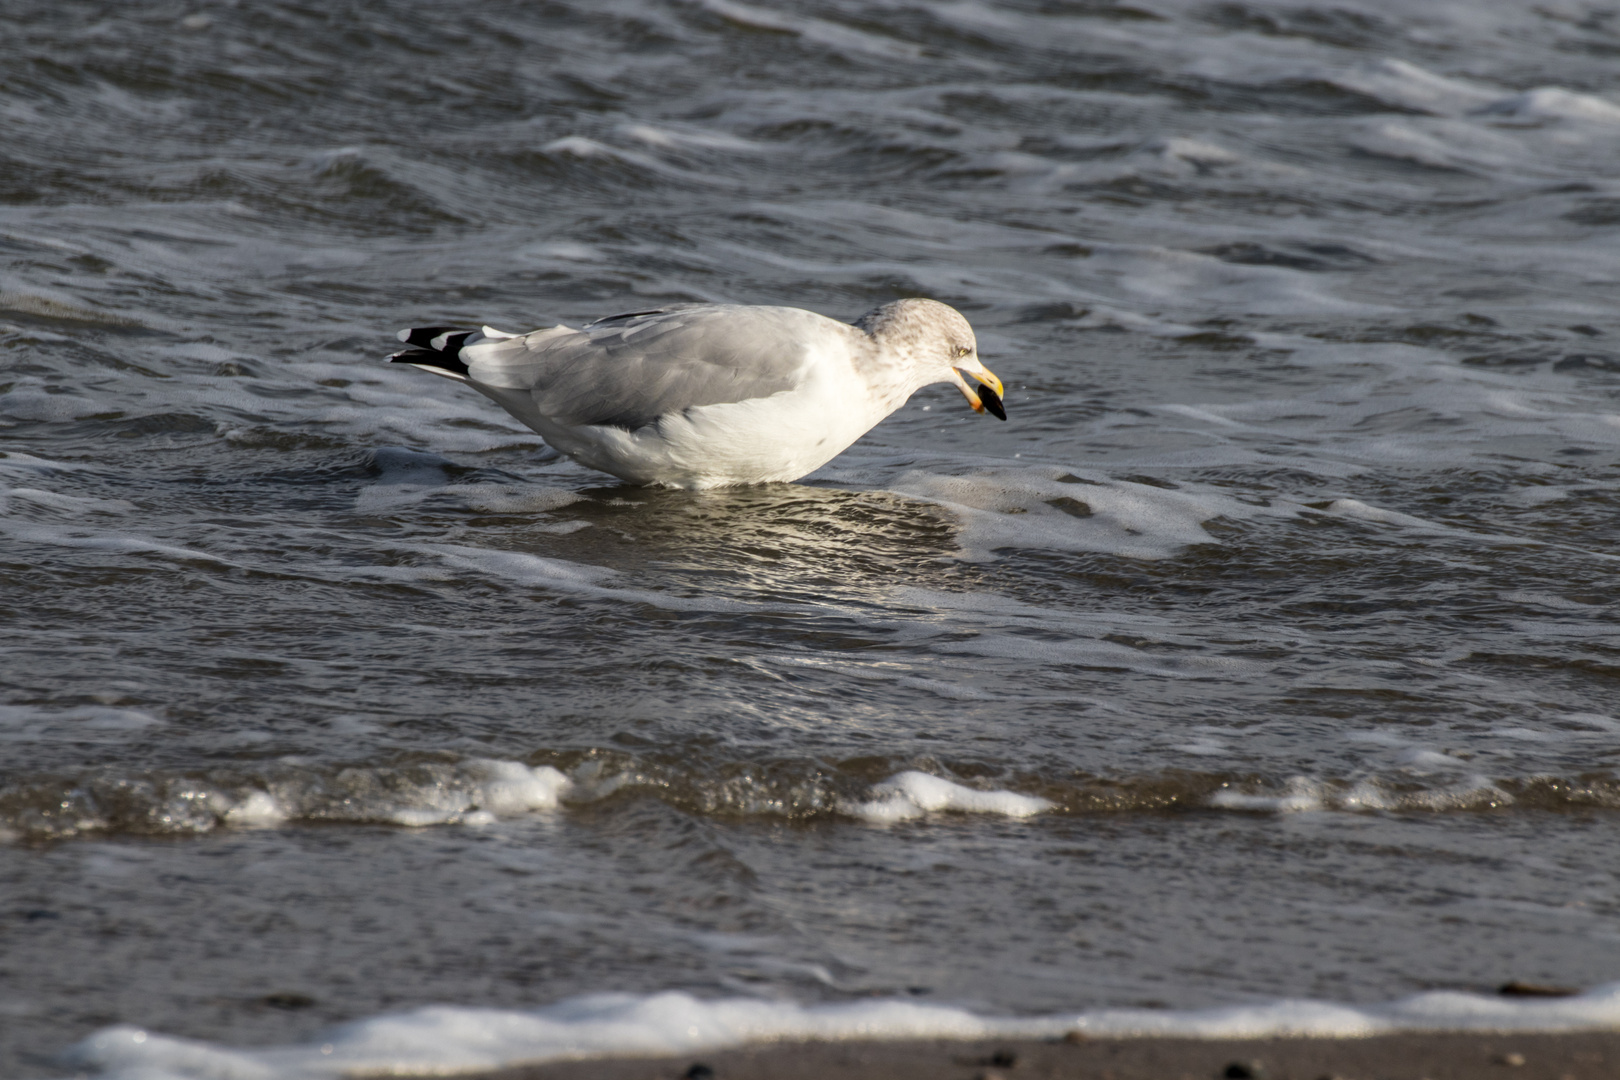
(707, 395)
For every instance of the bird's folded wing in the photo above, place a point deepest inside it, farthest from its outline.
(627, 371)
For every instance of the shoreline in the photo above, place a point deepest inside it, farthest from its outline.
(1578, 1055)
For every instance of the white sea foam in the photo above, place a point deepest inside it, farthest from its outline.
(28, 399)
(1301, 794)
(564, 576)
(1553, 103)
(1347, 428)
(1139, 275)
(81, 724)
(476, 791)
(580, 146)
(831, 35)
(482, 792)
(1444, 144)
(510, 787)
(1596, 721)
(485, 792)
(472, 792)
(1361, 511)
(913, 794)
(520, 567)
(1408, 86)
(447, 1039)
(70, 505)
(671, 137)
(120, 543)
(17, 461)
(258, 810)
(1057, 510)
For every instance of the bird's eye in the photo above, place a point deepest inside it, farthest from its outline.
(962, 350)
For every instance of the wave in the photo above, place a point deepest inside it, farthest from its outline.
(480, 791)
(449, 1039)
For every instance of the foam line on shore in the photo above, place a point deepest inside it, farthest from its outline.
(447, 1039)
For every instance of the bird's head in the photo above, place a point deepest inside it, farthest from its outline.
(941, 345)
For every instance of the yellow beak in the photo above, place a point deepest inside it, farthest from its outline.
(989, 379)
(988, 398)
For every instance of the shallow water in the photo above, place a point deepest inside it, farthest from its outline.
(1267, 651)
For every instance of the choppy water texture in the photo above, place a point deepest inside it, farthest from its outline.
(1267, 651)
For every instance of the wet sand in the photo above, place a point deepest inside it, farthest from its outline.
(1577, 1056)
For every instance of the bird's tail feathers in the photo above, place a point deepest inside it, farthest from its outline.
(448, 350)
(436, 349)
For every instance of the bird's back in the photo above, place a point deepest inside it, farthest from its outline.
(627, 371)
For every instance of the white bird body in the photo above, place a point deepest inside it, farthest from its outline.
(708, 395)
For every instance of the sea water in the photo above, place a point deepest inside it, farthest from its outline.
(1264, 660)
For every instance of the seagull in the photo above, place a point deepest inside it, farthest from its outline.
(710, 395)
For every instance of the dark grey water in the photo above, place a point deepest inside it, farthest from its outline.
(1289, 585)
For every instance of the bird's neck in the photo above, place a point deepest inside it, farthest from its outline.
(892, 374)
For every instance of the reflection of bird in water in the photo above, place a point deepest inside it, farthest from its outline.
(702, 395)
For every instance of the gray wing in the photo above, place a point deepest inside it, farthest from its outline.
(628, 370)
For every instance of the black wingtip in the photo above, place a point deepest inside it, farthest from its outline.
(992, 402)
(430, 358)
(437, 347)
